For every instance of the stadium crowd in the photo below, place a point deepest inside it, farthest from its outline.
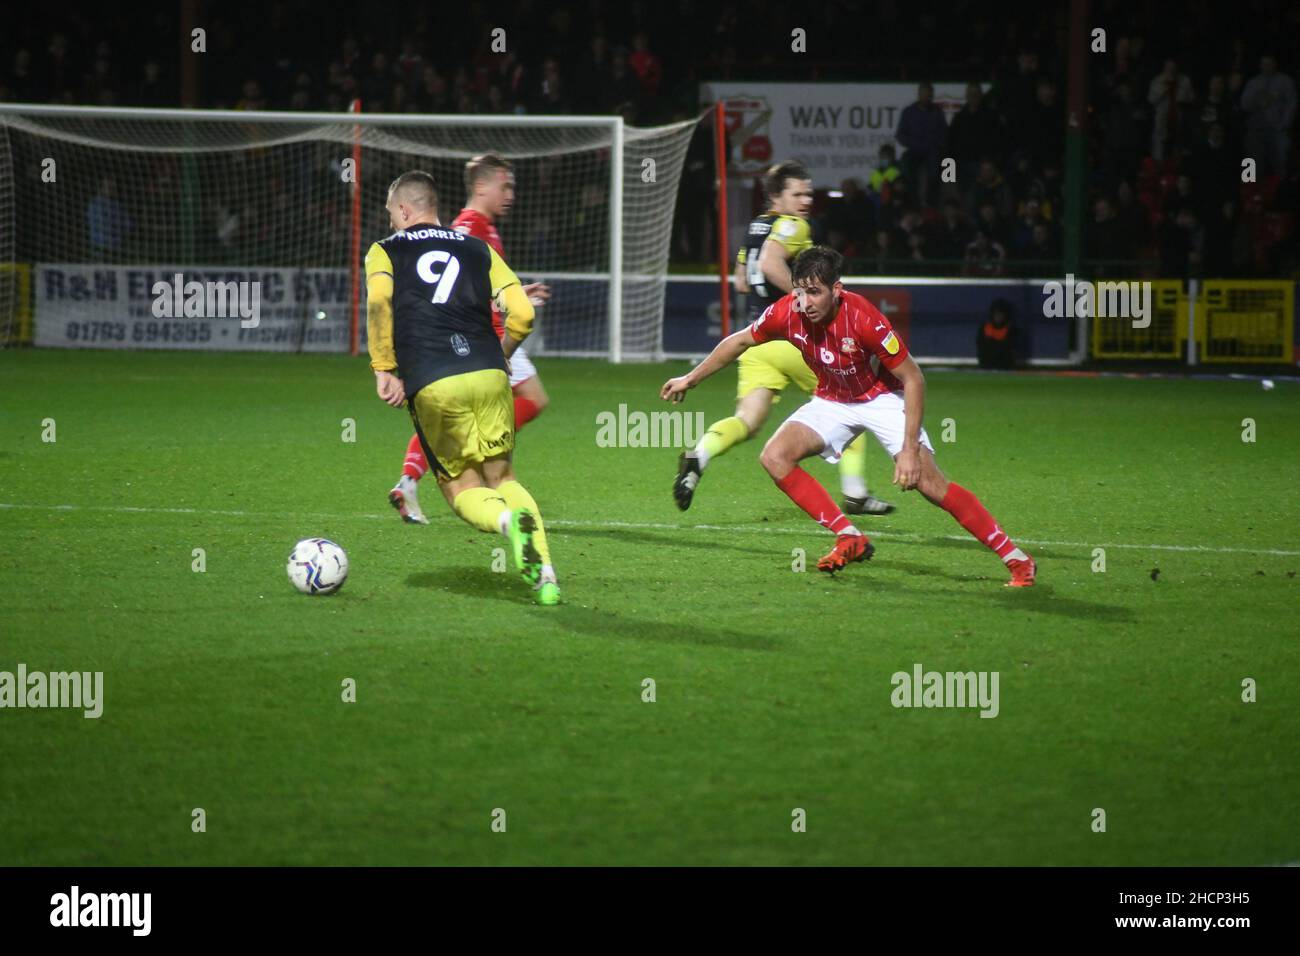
(1174, 105)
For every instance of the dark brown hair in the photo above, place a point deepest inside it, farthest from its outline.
(821, 263)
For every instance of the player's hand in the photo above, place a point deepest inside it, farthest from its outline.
(390, 388)
(538, 293)
(907, 469)
(675, 389)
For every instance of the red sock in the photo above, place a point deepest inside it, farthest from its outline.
(525, 412)
(415, 465)
(975, 518)
(805, 491)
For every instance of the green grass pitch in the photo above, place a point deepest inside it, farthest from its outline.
(1119, 690)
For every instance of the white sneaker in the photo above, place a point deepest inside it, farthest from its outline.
(403, 497)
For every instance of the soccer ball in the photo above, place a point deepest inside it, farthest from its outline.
(317, 566)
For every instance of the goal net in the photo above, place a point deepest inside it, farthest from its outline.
(100, 205)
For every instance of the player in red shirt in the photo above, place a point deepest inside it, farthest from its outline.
(866, 381)
(490, 185)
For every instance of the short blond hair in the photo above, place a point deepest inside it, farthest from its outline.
(481, 167)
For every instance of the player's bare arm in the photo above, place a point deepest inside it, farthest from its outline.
(742, 286)
(379, 325)
(390, 389)
(774, 260)
(908, 462)
(726, 352)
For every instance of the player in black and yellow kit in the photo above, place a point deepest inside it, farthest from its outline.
(432, 345)
(763, 273)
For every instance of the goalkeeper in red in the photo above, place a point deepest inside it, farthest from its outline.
(490, 188)
(866, 381)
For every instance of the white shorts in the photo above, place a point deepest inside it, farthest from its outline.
(839, 423)
(521, 367)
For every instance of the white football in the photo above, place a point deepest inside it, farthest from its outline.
(317, 566)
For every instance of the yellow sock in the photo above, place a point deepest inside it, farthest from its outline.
(481, 507)
(721, 436)
(516, 496)
(853, 468)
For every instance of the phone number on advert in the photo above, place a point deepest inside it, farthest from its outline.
(139, 332)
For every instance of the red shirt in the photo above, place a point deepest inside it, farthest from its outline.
(851, 354)
(471, 222)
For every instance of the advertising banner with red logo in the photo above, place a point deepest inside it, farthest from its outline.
(834, 129)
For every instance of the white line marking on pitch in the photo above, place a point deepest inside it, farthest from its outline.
(654, 526)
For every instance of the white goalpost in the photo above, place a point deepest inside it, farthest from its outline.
(98, 204)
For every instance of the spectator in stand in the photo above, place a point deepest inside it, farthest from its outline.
(1016, 93)
(1045, 135)
(838, 240)
(350, 56)
(851, 213)
(101, 85)
(976, 132)
(495, 102)
(923, 132)
(1122, 67)
(1127, 134)
(620, 91)
(647, 66)
(302, 92)
(23, 83)
(1044, 249)
(885, 252)
(1185, 195)
(252, 98)
(1169, 93)
(1133, 217)
(1215, 109)
(1215, 170)
(883, 176)
(996, 339)
(551, 96)
(950, 236)
(377, 84)
(507, 74)
(58, 66)
(984, 256)
(434, 95)
(1022, 234)
(1269, 101)
(1181, 242)
(591, 76)
(1227, 243)
(990, 187)
(987, 218)
(151, 91)
(410, 63)
(1105, 239)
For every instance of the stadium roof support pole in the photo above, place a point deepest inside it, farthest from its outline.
(189, 62)
(354, 251)
(1075, 145)
(720, 160)
(616, 243)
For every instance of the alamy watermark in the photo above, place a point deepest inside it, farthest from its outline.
(635, 429)
(1084, 299)
(946, 689)
(81, 690)
(75, 908)
(179, 299)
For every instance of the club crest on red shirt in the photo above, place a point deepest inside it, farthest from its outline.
(848, 346)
